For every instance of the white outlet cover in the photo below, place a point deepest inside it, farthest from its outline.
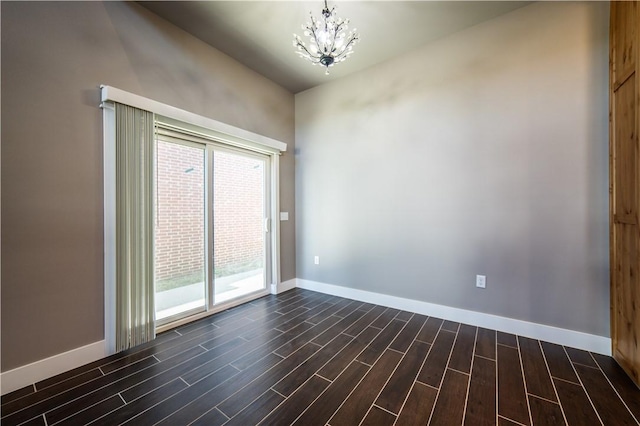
(481, 281)
(284, 216)
(316, 260)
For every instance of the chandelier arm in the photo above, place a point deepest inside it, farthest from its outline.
(305, 49)
(315, 38)
(335, 34)
(336, 30)
(345, 52)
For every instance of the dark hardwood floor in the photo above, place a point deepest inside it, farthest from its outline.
(306, 358)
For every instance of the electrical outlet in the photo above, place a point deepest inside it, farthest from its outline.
(316, 260)
(481, 281)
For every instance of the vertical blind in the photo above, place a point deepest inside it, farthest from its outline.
(135, 311)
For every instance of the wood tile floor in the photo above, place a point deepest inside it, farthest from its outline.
(306, 358)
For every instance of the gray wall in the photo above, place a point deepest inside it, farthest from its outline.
(482, 153)
(54, 56)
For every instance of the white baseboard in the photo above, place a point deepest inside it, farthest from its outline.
(31, 373)
(561, 336)
(283, 286)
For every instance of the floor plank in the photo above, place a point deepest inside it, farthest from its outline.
(449, 408)
(38, 421)
(338, 328)
(297, 403)
(506, 422)
(486, 343)
(211, 418)
(347, 309)
(629, 392)
(545, 413)
(323, 408)
(512, 399)
(418, 406)
(558, 362)
(219, 356)
(481, 402)
(364, 322)
(87, 379)
(380, 343)
(128, 412)
(168, 405)
(234, 404)
(581, 357)
(378, 417)
(395, 391)
(507, 339)
(385, 318)
(257, 410)
(436, 363)
(339, 362)
(463, 349)
(310, 367)
(297, 342)
(203, 396)
(610, 408)
(451, 326)
(333, 310)
(408, 333)
(249, 358)
(536, 375)
(12, 396)
(205, 364)
(430, 330)
(82, 396)
(577, 407)
(303, 317)
(94, 412)
(355, 407)
(404, 316)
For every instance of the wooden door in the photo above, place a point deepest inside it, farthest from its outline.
(625, 186)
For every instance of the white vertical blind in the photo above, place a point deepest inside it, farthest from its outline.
(135, 322)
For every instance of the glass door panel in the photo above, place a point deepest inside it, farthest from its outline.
(180, 240)
(239, 224)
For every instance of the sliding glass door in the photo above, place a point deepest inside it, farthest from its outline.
(180, 239)
(212, 226)
(239, 223)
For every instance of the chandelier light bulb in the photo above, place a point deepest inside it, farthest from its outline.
(329, 41)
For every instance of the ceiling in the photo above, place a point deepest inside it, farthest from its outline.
(259, 34)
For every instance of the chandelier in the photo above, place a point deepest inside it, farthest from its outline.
(328, 41)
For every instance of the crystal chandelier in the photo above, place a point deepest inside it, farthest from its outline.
(328, 41)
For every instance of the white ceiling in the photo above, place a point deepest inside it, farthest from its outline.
(259, 34)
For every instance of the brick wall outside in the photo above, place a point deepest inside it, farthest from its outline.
(238, 213)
